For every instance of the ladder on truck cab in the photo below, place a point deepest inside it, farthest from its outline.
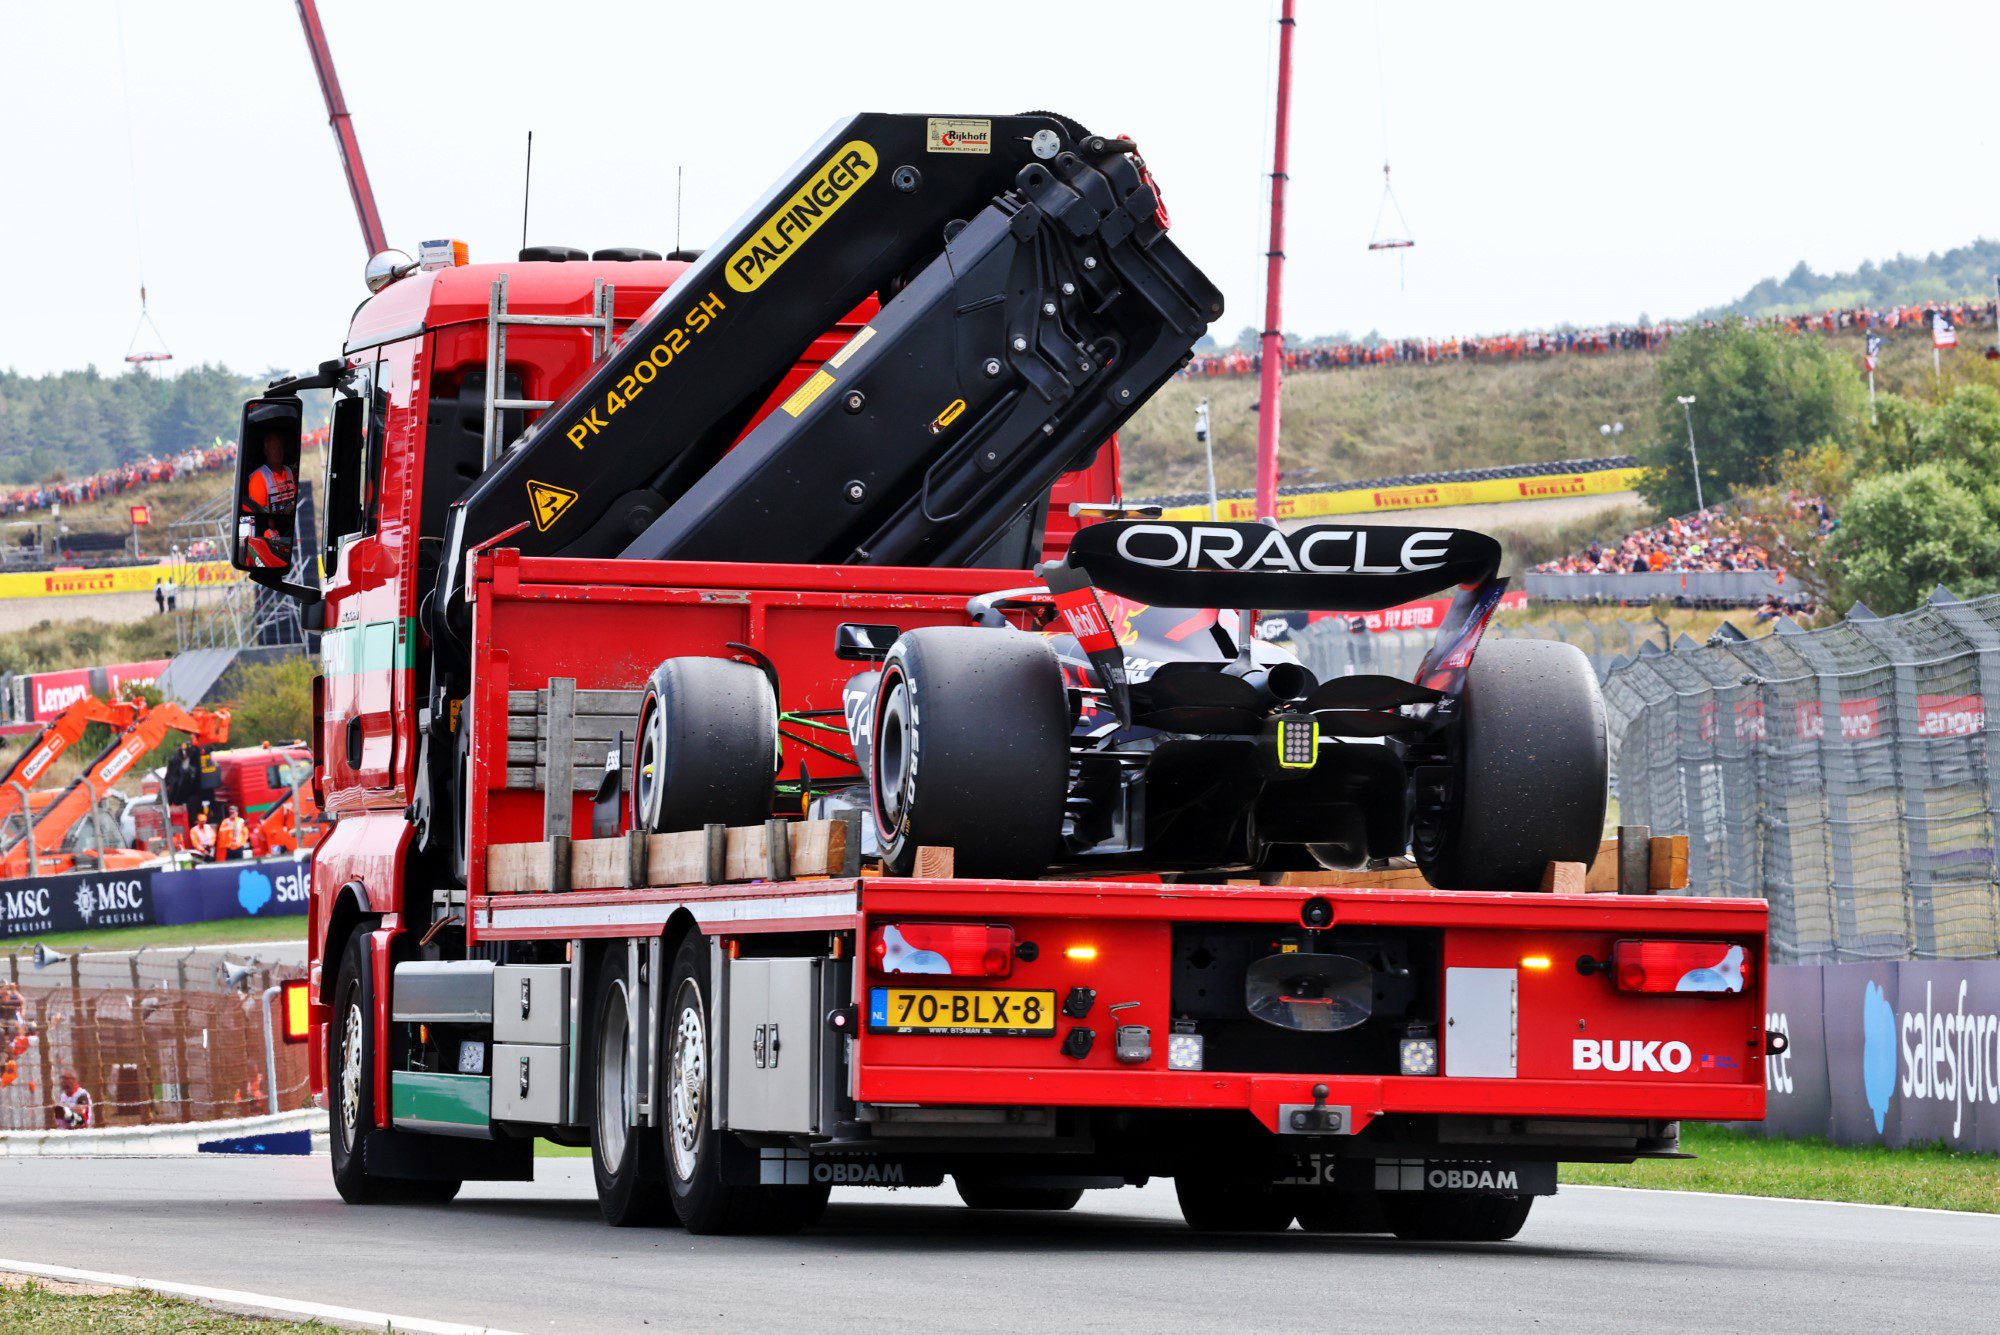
(601, 323)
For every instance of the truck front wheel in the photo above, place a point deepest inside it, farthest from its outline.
(1420, 1217)
(351, 1107)
(704, 1202)
(631, 1177)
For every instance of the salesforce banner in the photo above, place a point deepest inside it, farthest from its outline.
(1887, 1054)
(266, 889)
(84, 901)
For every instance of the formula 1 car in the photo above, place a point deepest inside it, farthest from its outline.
(1129, 732)
(1139, 735)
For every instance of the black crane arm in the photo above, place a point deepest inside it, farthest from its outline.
(971, 229)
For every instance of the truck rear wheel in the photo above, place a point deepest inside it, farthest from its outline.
(350, 1066)
(970, 751)
(987, 1193)
(704, 1202)
(1528, 771)
(707, 747)
(1213, 1203)
(628, 1162)
(1421, 1217)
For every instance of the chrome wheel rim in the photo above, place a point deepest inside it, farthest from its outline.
(650, 767)
(894, 770)
(352, 1033)
(689, 1078)
(614, 1093)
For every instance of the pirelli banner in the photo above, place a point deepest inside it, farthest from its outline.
(69, 582)
(1389, 498)
(1891, 1054)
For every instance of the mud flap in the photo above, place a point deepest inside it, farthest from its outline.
(419, 1158)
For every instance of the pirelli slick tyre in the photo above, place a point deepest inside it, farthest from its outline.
(702, 1199)
(1527, 774)
(970, 751)
(707, 746)
(350, 1062)
(1419, 1216)
(627, 1160)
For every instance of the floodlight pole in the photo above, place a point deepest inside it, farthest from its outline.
(1686, 402)
(1271, 376)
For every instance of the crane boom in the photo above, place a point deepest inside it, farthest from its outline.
(342, 124)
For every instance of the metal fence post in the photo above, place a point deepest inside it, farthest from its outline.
(270, 1048)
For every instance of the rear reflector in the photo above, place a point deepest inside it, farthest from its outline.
(949, 949)
(1679, 966)
(295, 1003)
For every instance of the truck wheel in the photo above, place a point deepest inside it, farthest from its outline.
(1420, 1217)
(704, 1202)
(1528, 771)
(707, 748)
(970, 751)
(628, 1162)
(351, 1107)
(1214, 1204)
(986, 1193)
(1321, 1211)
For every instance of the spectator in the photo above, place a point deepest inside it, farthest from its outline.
(1715, 539)
(73, 1111)
(160, 595)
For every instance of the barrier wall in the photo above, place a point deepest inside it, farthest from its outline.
(1527, 482)
(1703, 586)
(1891, 1054)
(116, 579)
(146, 897)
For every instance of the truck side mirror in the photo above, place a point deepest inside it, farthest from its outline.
(267, 484)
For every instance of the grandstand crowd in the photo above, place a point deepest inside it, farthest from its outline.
(1325, 356)
(115, 481)
(1715, 539)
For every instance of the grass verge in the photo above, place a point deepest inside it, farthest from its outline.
(233, 931)
(1745, 1165)
(40, 1307)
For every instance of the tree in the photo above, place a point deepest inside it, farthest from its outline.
(1759, 395)
(1904, 533)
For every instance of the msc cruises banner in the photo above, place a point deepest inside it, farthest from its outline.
(86, 901)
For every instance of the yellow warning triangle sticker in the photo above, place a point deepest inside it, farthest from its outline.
(548, 503)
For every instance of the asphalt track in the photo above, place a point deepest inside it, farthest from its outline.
(535, 1258)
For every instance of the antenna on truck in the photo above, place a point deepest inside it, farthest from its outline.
(527, 180)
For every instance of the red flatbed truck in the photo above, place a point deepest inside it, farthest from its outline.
(733, 1047)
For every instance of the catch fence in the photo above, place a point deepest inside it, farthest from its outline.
(1845, 774)
(155, 1036)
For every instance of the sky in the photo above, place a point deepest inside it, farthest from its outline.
(1581, 162)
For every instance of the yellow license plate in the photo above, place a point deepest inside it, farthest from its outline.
(924, 1010)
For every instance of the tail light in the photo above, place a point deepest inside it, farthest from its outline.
(1680, 966)
(295, 1004)
(950, 949)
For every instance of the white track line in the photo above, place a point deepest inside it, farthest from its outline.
(254, 1302)
(1785, 1200)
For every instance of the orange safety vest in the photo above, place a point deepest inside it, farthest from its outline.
(233, 834)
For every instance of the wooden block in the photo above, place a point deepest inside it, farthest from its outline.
(619, 704)
(1563, 878)
(600, 864)
(677, 859)
(1602, 878)
(1634, 860)
(934, 863)
(746, 856)
(1668, 859)
(516, 869)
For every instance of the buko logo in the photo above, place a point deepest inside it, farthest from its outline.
(1630, 1054)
